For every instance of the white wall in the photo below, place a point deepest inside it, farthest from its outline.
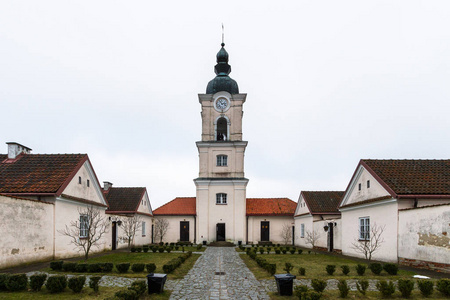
(275, 228)
(173, 233)
(424, 234)
(307, 220)
(93, 192)
(383, 213)
(26, 231)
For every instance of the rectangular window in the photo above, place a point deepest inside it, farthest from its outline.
(359, 186)
(79, 179)
(368, 183)
(87, 182)
(222, 160)
(364, 228)
(143, 228)
(221, 198)
(84, 226)
(302, 230)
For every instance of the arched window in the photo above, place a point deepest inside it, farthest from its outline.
(222, 126)
(221, 198)
(222, 160)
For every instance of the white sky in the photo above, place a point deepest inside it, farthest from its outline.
(328, 83)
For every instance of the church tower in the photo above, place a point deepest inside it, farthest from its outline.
(221, 185)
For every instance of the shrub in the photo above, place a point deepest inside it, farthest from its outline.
(405, 287)
(126, 294)
(139, 286)
(362, 286)
(133, 249)
(443, 286)
(284, 251)
(386, 288)
(154, 249)
(299, 251)
(168, 249)
(343, 288)
(391, 269)
(3, 280)
(425, 287)
(301, 271)
(309, 251)
(56, 265)
(278, 245)
(182, 249)
(261, 250)
(345, 269)
(137, 268)
(292, 251)
(318, 285)
(106, 267)
(288, 267)
(56, 284)
(151, 267)
(81, 268)
(199, 246)
(269, 249)
(69, 267)
(145, 248)
(176, 248)
(330, 269)
(93, 282)
(300, 291)
(271, 268)
(138, 249)
(37, 281)
(76, 283)
(94, 268)
(313, 295)
(161, 249)
(277, 251)
(360, 269)
(376, 268)
(123, 268)
(17, 282)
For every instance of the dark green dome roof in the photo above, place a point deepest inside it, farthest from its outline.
(222, 82)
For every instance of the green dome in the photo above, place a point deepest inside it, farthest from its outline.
(222, 82)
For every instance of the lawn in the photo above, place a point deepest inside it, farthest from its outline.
(159, 259)
(356, 295)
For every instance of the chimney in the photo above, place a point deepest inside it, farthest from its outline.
(15, 149)
(106, 185)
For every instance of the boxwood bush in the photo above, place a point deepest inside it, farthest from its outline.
(56, 284)
(139, 286)
(360, 269)
(81, 268)
(151, 267)
(3, 280)
(94, 268)
(330, 269)
(69, 266)
(76, 283)
(405, 287)
(176, 262)
(137, 268)
(106, 267)
(386, 288)
(425, 287)
(56, 265)
(376, 268)
(443, 286)
(17, 282)
(93, 282)
(37, 281)
(391, 269)
(345, 269)
(318, 285)
(126, 294)
(123, 268)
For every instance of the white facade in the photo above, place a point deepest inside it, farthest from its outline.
(173, 232)
(275, 228)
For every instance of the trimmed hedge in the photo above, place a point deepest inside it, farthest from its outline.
(37, 281)
(170, 266)
(76, 283)
(94, 268)
(139, 286)
(151, 267)
(391, 269)
(17, 282)
(81, 268)
(69, 266)
(3, 280)
(93, 282)
(106, 267)
(126, 294)
(123, 267)
(138, 268)
(56, 265)
(376, 268)
(56, 284)
(262, 262)
(443, 286)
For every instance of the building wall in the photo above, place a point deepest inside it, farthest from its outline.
(424, 235)
(173, 233)
(383, 213)
(275, 228)
(27, 231)
(307, 220)
(93, 192)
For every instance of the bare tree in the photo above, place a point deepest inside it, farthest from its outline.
(371, 243)
(130, 226)
(286, 233)
(312, 237)
(161, 227)
(87, 231)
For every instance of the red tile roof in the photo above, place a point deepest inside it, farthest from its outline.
(38, 173)
(320, 202)
(270, 207)
(124, 199)
(412, 176)
(180, 206)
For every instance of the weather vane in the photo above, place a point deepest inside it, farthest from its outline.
(223, 39)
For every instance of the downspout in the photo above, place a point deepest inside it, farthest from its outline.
(246, 237)
(195, 229)
(54, 230)
(398, 221)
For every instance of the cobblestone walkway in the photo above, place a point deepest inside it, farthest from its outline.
(204, 282)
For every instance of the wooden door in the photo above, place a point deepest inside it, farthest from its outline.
(265, 229)
(220, 232)
(184, 231)
(114, 236)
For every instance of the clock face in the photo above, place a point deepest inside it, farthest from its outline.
(221, 103)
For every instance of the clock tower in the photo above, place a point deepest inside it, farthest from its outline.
(221, 185)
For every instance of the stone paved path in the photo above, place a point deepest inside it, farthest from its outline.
(237, 282)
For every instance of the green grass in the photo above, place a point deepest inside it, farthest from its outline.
(315, 265)
(356, 295)
(159, 259)
(86, 294)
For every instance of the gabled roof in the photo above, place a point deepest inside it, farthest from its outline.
(320, 202)
(124, 199)
(38, 173)
(180, 206)
(411, 176)
(270, 207)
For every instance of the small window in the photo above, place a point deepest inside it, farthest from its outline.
(143, 228)
(302, 230)
(221, 198)
(359, 186)
(364, 228)
(368, 183)
(87, 182)
(84, 226)
(79, 179)
(222, 160)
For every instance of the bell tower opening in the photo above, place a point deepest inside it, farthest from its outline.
(222, 129)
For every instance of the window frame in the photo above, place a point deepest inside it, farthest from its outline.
(84, 226)
(222, 160)
(364, 228)
(143, 228)
(221, 199)
(368, 184)
(302, 230)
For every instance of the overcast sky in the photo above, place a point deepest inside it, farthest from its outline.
(328, 83)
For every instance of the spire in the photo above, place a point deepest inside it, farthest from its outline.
(222, 68)
(222, 82)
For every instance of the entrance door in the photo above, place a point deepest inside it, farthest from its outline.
(184, 231)
(114, 236)
(265, 229)
(330, 237)
(220, 232)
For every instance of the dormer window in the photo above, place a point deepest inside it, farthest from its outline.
(221, 198)
(222, 160)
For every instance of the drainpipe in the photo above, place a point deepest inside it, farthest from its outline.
(246, 237)
(195, 229)
(54, 230)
